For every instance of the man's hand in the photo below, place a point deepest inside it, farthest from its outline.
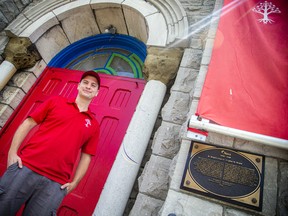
(14, 158)
(80, 172)
(69, 187)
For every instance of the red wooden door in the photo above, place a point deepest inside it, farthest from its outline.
(114, 107)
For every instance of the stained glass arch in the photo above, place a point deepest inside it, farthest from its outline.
(114, 54)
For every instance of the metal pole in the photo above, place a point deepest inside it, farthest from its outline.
(259, 138)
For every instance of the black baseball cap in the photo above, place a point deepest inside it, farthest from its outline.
(91, 73)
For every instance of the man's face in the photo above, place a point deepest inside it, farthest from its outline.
(88, 87)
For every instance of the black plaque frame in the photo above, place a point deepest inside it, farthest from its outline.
(226, 174)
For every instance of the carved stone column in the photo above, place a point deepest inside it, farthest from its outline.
(21, 52)
(162, 64)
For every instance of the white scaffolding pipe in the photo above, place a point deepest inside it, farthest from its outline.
(263, 139)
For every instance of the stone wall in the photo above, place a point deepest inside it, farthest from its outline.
(159, 184)
(16, 89)
(157, 189)
(155, 179)
(9, 10)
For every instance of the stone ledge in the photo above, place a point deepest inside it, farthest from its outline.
(260, 149)
(213, 27)
(200, 82)
(193, 107)
(283, 189)
(270, 187)
(220, 140)
(207, 53)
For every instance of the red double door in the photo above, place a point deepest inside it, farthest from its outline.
(114, 107)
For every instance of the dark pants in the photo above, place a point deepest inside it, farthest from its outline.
(40, 195)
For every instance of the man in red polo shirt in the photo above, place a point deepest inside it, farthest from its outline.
(39, 173)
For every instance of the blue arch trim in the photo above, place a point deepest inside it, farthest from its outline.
(92, 43)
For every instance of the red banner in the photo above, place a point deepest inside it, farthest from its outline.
(247, 80)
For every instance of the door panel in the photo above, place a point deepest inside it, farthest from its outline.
(114, 107)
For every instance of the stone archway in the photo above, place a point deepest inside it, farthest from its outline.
(51, 27)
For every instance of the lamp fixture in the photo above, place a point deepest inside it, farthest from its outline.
(111, 29)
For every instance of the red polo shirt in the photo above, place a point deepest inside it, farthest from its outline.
(63, 131)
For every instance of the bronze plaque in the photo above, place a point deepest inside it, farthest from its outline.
(226, 174)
